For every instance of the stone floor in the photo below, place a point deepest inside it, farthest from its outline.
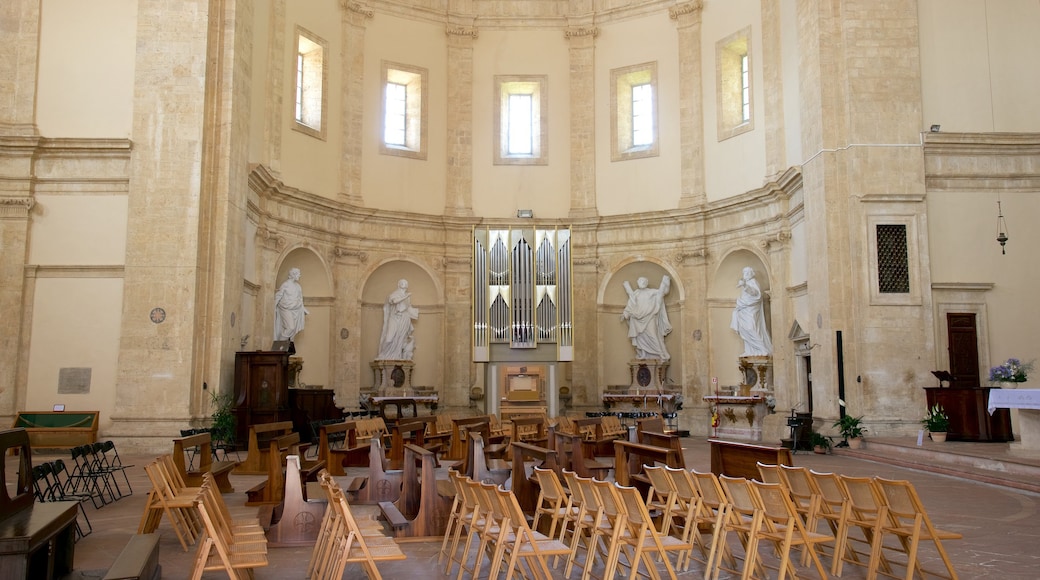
(1000, 524)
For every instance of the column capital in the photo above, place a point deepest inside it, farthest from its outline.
(682, 12)
(356, 7)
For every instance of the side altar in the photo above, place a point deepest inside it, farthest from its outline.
(737, 413)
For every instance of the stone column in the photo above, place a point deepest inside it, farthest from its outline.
(773, 91)
(459, 148)
(274, 88)
(458, 317)
(583, 119)
(691, 109)
(354, 17)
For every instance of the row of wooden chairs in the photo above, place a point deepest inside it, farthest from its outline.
(610, 523)
(344, 538)
(862, 512)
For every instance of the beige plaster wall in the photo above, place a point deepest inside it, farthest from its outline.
(388, 181)
(86, 71)
(309, 163)
(78, 230)
(75, 323)
(642, 184)
(736, 164)
(500, 190)
(976, 61)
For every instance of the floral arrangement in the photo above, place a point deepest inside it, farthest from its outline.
(936, 421)
(1010, 371)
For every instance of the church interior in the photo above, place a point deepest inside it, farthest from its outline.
(166, 163)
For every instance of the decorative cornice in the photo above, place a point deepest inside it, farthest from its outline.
(357, 7)
(16, 207)
(578, 31)
(594, 262)
(685, 8)
(461, 31)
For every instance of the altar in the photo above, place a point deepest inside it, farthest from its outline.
(739, 417)
(1027, 401)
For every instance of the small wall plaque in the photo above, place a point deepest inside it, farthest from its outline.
(157, 315)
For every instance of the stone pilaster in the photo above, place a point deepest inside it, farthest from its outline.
(691, 110)
(19, 45)
(459, 148)
(15, 212)
(346, 375)
(772, 94)
(354, 16)
(155, 367)
(583, 119)
(274, 88)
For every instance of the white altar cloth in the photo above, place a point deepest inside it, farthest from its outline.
(1014, 399)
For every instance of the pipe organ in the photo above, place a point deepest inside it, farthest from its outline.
(522, 290)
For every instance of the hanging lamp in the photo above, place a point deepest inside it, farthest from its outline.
(1002, 236)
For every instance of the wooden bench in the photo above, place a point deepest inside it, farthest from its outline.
(300, 517)
(58, 429)
(411, 430)
(37, 540)
(349, 453)
(591, 429)
(272, 490)
(193, 477)
(421, 510)
(256, 462)
(139, 560)
(380, 485)
(628, 454)
(740, 459)
(524, 487)
(459, 441)
(673, 442)
(576, 455)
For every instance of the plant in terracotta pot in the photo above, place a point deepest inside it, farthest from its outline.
(820, 442)
(937, 422)
(852, 430)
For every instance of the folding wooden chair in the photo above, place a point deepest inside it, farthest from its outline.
(688, 500)
(552, 501)
(178, 505)
(783, 527)
(526, 543)
(611, 531)
(834, 510)
(744, 518)
(869, 514)
(461, 511)
(909, 522)
(221, 549)
(490, 528)
(580, 517)
(642, 537)
(662, 498)
(713, 515)
(768, 472)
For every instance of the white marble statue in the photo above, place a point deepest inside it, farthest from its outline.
(396, 341)
(749, 318)
(647, 318)
(289, 312)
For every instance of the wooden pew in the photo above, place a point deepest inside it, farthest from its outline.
(411, 430)
(673, 442)
(457, 449)
(380, 485)
(421, 510)
(478, 467)
(529, 429)
(272, 490)
(256, 462)
(352, 453)
(300, 517)
(627, 454)
(193, 477)
(37, 540)
(740, 459)
(525, 488)
(575, 454)
(591, 429)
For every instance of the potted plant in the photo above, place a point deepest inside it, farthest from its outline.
(820, 442)
(937, 422)
(851, 430)
(1010, 372)
(222, 421)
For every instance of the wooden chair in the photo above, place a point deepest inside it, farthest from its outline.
(582, 518)
(552, 501)
(908, 521)
(526, 543)
(834, 510)
(642, 538)
(769, 472)
(610, 531)
(492, 533)
(220, 549)
(713, 515)
(689, 503)
(783, 527)
(177, 503)
(662, 497)
(805, 495)
(744, 518)
(868, 514)
(459, 518)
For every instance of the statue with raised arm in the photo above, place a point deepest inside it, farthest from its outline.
(396, 341)
(749, 318)
(289, 312)
(647, 318)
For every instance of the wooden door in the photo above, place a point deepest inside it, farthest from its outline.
(963, 349)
